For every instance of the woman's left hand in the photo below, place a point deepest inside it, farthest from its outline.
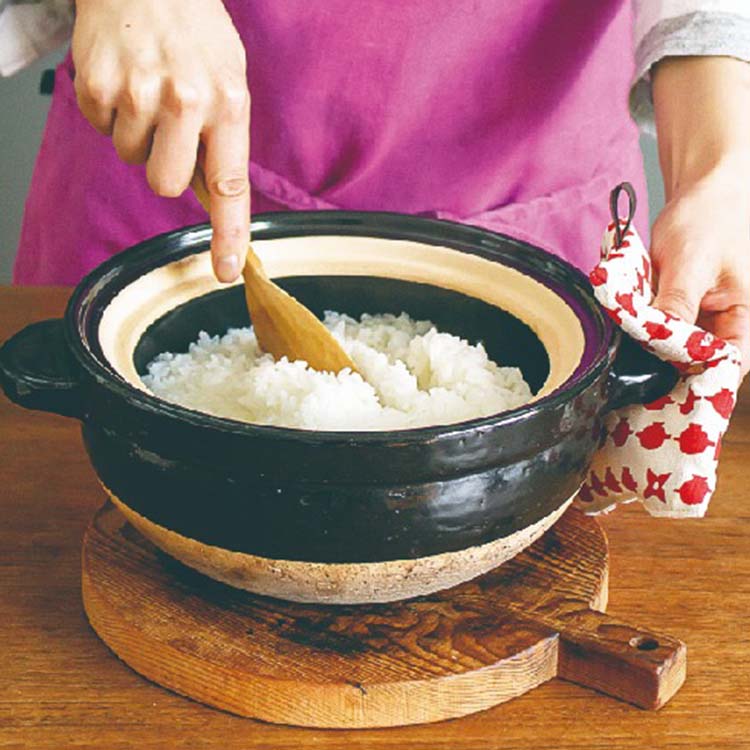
(700, 246)
(700, 243)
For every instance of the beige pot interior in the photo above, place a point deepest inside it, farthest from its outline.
(156, 293)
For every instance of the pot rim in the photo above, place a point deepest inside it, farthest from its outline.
(92, 295)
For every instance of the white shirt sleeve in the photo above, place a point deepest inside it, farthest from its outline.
(29, 29)
(667, 28)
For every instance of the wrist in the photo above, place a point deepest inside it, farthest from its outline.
(728, 169)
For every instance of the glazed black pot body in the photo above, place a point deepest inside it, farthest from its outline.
(334, 496)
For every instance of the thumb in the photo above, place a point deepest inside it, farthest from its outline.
(733, 325)
(681, 291)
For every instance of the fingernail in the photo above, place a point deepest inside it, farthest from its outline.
(228, 268)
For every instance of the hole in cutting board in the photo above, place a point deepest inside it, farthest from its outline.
(643, 643)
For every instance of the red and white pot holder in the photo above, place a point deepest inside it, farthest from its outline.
(665, 453)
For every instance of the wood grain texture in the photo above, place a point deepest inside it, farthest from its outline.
(301, 664)
(61, 688)
(449, 654)
(295, 664)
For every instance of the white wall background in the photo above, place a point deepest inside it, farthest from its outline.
(22, 113)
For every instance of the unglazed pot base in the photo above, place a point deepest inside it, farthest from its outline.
(338, 583)
(154, 294)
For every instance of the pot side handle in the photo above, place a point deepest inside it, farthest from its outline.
(37, 370)
(637, 376)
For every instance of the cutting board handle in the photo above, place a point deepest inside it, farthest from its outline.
(626, 662)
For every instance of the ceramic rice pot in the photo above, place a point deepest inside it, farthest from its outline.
(338, 517)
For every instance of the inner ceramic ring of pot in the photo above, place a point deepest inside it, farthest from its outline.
(521, 321)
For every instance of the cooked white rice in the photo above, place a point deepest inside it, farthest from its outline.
(412, 376)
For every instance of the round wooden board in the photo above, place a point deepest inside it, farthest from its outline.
(435, 657)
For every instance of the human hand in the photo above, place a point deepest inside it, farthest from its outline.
(163, 78)
(700, 247)
(700, 243)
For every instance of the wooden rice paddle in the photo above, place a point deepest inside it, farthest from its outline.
(283, 326)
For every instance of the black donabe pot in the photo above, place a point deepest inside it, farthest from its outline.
(260, 506)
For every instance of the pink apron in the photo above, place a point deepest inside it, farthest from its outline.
(511, 116)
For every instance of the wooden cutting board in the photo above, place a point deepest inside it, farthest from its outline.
(459, 651)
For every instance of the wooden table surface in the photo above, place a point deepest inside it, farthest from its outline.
(61, 688)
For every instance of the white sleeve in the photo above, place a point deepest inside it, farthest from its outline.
(29, 29)
(666, 28)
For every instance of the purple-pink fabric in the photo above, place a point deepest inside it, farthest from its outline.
(511, 116)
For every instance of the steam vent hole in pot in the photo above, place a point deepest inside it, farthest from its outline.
(461, 383)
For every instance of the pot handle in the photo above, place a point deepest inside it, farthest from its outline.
(637, 376)
(37, 370)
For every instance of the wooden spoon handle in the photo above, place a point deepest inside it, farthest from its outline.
(253, 264)
(623, 661)
(283, 326)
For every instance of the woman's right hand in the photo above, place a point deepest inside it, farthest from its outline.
(163, 78)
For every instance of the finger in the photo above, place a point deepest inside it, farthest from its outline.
(96, 100)
(226, 167)
(733, 325)
(177, 137)
(134, 124)
(681, 289)
(132, 137)
(174, 150)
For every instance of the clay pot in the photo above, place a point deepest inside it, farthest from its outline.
(337, 516)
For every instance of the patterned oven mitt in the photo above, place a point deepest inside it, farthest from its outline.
(665, 453)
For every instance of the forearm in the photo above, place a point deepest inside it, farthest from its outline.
(702, 114)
